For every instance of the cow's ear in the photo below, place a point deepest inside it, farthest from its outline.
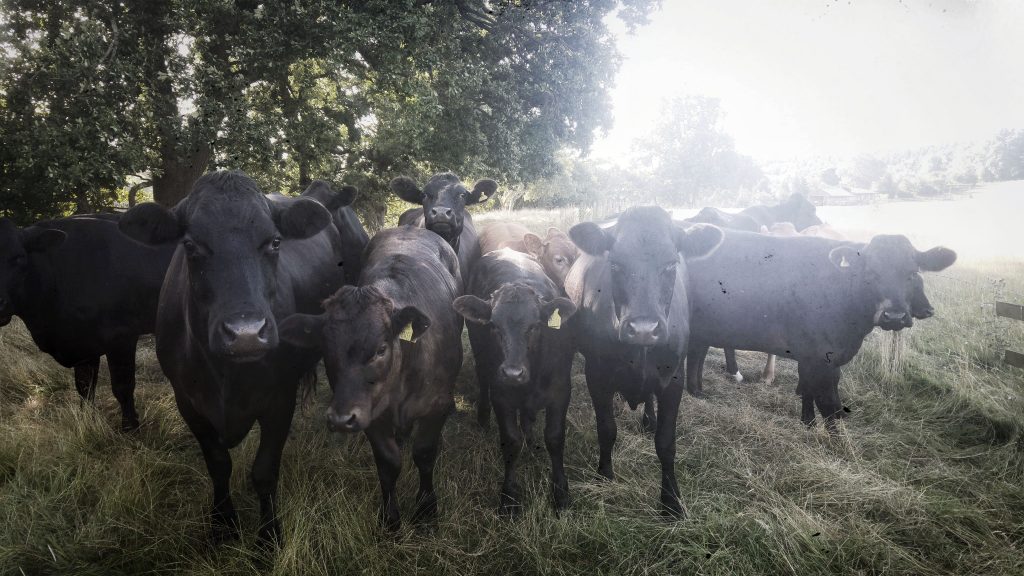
(409, 323)
(534, 245)
(473, 309)
(300, 217)
(321, 191)
(482, 191)
(556, 311)
(406, 189)
(590, 238)
(35, 239)
(699, 240)
(151, 223)
(302, 330)
(845, 256)
(936, 259)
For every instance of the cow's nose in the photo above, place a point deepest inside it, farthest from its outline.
(517, 374)
(245, 335)
(441, 213)
(643, 332)
(890, 316)
(347, 421)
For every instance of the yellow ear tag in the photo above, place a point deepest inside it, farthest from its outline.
(406, 333)
(555, 321)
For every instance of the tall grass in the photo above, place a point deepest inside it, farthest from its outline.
(925, 477)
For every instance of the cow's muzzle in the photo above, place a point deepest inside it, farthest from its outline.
(642, 331)
(895, 320)
(352, 420)
(514, 374)
(245, 338)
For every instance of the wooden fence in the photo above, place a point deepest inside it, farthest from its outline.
(1015, 311)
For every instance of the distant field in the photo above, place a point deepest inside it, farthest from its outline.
(926, 476)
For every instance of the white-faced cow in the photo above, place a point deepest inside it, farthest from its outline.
(393, 348)
(631, 291)
(351, 233)
(444, 200)
(245, 261)
(523, 360)
(83, 291)
(555, 252)
(811, 299)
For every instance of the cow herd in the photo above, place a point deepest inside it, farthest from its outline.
(246, 292)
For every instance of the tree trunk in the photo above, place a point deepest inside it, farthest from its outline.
(179, 174)
(82, 205)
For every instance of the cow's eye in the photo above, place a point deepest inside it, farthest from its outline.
(559, 260)
(382, 350)
(275, 245)
(190, 247)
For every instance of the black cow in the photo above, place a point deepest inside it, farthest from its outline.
(811, 299)
(245, 262)
(632, 323)
(393, 348)
(84, 291)
(350, 231)
(523, 359)
(795, 209)
(444, 201)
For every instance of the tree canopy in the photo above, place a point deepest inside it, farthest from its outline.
(98, 97)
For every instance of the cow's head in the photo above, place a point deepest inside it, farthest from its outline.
(16, 247)
(556, 253)
(444, 201)
(518, 315)
(231, 236)
(798, 210)
(887, 269)
(332, 199)
(360, 334)
(645, 254)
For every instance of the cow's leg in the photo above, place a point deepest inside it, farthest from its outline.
(511, 435)
(827, 397)
(768, 374)
(483, 403)
(601, 396)
(121, 362)
(388, 457)
(649, 419)
(86, 375)
(274, 427)
(665, 445)
(425, 447)
(486, 368)
(807, 409)
(805, 389)
(730, 365)
(695, 370)
(223, 518)
(554, 439)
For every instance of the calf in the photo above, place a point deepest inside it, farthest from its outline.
(811, 299)
(523, 359)
(83, 291)
(393, 348)
(555, 253)
(444, 200)
(351, 233)
(632, 323)
(245, 262)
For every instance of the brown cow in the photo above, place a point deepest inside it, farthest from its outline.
(556, 253)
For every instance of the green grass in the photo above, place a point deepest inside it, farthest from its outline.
(925, 477)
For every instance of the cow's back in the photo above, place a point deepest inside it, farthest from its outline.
(498, 235)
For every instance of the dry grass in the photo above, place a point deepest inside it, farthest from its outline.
(926, 477)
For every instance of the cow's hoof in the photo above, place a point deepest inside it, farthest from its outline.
(767, 379)
(738, 377)
(606, 472)
(483, 419)
(509, 507)
(426, 509)
(561, 499)
(129, 424)
(221, 533)
(671, 507)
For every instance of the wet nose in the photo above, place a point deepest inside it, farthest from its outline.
(345, 421)
(517, 374)
(441, 213)
(643, 332)
(245, 335)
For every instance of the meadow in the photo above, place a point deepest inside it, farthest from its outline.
(926, 476)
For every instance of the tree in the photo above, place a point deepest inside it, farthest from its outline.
(689, 156)
(94, 93)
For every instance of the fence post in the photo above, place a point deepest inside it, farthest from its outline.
(1015, 311)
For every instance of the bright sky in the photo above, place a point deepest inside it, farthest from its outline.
(837, 78)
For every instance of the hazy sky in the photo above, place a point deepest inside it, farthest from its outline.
(803, 77)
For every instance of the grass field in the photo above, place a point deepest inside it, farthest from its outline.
(925, 477)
